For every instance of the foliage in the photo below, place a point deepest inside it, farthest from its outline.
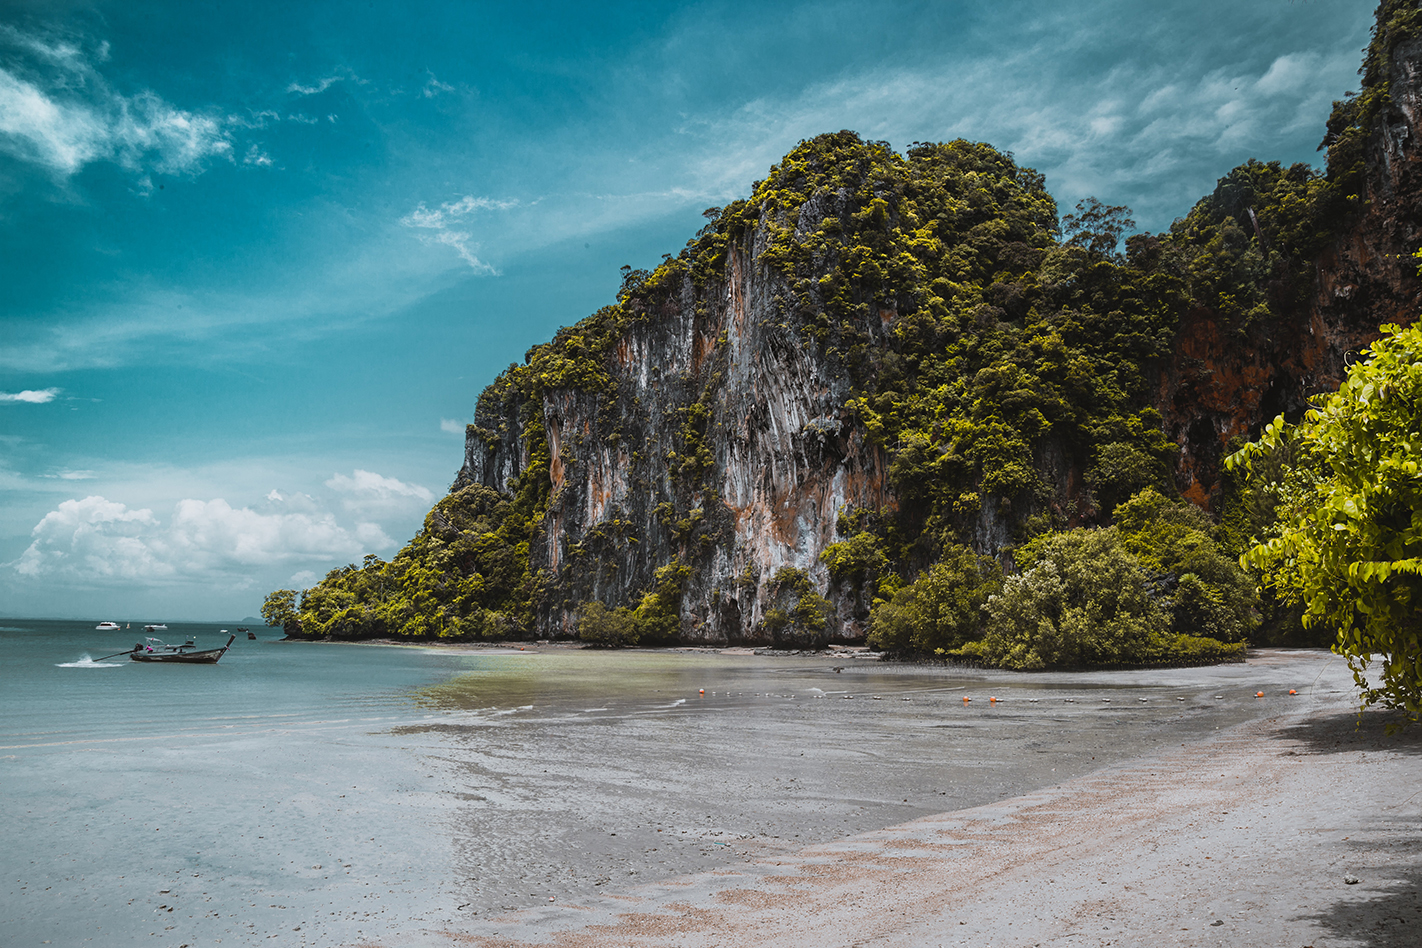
(657, 618)
(608, 628)
(941, 609)
(1206, 591)
(798, 615)
(280, 609)
(1097, 227)
(465, 575)
(1085, 601)
(1347, 542)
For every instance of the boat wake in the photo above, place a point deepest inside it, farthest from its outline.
(87, 662)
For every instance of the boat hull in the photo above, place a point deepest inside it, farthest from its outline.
(205, 657)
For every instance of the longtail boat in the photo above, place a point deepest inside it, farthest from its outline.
(185, 654)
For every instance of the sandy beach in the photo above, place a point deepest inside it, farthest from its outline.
(1297, 829)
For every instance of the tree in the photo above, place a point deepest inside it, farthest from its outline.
(1097, 227)
(1083, 602)
(607, 628)
(1347, 544)
(280, 609)
(941, 609)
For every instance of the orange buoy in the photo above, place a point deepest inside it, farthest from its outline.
(703, 691)
(993, 699)
(1258, 694)
(966, 699)
(1292, 691)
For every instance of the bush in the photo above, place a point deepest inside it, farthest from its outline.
(1348, 542)
(607, 628)
(799, 617)
(941, 609)
(1201, 586)
(1083, 603)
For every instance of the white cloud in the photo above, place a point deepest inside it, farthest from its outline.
(434, 87)
(96, 542)
(32, 397)
(442, 220)
(76, 475)
(452, 425)
(62, 114)
(255, 156)
(367, 494)
(1142, 131)
(303, 579)
(321, 85)
(372, 484)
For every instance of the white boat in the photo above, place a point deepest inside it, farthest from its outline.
(107, 627)
(160, 627)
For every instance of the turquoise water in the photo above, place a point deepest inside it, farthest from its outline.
(214, 791)
(312, 794)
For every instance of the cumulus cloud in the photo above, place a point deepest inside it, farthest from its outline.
(96, 542)
(452, 425)
(58, 111)
(442, 225)
(30, 397)
(367, 493)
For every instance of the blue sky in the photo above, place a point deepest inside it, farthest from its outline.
(261, 258)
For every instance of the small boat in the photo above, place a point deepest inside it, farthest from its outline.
(186, 654)
(160, 627)
(107, 627)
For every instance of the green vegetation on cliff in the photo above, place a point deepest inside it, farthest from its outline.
(1003, 359)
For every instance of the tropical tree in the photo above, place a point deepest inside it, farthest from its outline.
(280, 609)
(1347, 544)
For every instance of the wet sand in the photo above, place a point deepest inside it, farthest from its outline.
(1245, 836)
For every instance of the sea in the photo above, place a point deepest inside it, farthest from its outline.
(322, 794)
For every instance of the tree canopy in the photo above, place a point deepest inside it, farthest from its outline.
(1347, 540)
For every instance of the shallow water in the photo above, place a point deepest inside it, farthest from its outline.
(302, 793)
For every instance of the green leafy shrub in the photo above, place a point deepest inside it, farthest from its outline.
(798, 616)
(1084, 602)
(608, 628)
(1204, 588)
(941, 609)
(657, 618)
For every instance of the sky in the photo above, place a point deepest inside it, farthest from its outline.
(257, 260)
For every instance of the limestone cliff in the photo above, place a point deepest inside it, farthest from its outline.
(1221, 383)
(715, 369)
(890, 357)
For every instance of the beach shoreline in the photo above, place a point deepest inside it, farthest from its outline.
(1246, 837)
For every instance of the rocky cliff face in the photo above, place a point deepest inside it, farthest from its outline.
(723, 443)
(724, 425)
(1222, 383)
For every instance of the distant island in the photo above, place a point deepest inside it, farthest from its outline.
(898, 398)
